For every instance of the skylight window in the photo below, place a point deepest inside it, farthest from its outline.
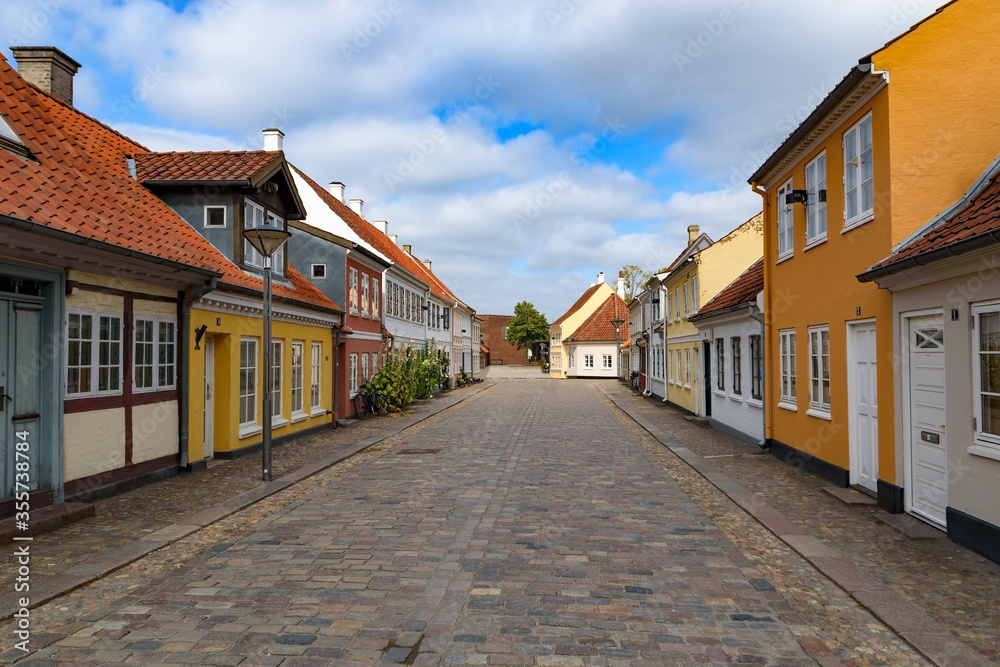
(10, 140)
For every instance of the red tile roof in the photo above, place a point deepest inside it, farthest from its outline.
(578, 304)
(739, 293)
(972, 223)
(78, 182)
(208, 166)
(598, 327)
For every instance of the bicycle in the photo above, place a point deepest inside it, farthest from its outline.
(368, 400)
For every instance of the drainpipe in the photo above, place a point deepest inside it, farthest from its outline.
(763, 444)
(185, 392)
(765, 325)
(336, 372)
(649, 351)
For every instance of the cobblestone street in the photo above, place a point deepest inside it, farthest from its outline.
(532, 524)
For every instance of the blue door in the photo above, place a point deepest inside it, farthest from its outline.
(21, 363)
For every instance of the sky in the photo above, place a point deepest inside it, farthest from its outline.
(521, 145)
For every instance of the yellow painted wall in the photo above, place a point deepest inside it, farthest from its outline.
(93, 442)
(154, 431)
(679, 393)
(943, 78)
(573, 322)
(818, 287)
(227, 337)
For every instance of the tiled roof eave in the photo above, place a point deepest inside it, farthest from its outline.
(697, 317)
(957, 248)
(169, 182)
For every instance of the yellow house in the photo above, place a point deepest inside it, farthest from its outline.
(703, 270)
(895, 143)
(569, 322)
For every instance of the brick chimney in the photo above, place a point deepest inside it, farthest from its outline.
(337, 190)
(693, 233)
(48, 68)
(406, 248)
(357, 205)
(274, 139)
(381, 225)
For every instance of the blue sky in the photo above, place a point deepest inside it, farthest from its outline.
(523, 146)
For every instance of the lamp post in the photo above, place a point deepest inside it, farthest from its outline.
(617, 324)
(267, 241)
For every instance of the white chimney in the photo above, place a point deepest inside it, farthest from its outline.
(357, 205)
(600, 277)
(273, 139)
(621, 284)
(427, 263)
(48, 68)
(394, 238)
(337, 190)
(381, 225)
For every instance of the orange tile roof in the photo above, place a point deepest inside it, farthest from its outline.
(205, 166)
(739, 293)
(78, 182)
(577, 305)
(598, 327)
(973, 223)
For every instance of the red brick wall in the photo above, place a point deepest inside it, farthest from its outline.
(500, 350)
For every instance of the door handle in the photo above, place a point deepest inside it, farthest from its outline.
(4, 398)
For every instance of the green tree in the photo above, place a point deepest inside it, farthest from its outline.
(635, 278)
(527, 326)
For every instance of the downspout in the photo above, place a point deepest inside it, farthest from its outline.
(336, 372)
(185, 392)
(763, 444)
(649, 351)
(765, 325)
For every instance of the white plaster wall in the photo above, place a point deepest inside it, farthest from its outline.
(737, 411)
(94, 442)
(154, 431)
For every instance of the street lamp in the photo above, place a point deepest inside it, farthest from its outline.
(617, 324)
(267, 241)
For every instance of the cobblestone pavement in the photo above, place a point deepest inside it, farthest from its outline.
(954, 586)
(533, 524)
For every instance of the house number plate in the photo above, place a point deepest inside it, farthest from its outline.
(933, 438)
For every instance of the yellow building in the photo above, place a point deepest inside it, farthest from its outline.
(569, 322)
(703, 270)
(896, 142)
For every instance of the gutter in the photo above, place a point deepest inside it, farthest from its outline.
(955, 249)
(184, 394)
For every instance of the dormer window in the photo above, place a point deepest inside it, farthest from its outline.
(254, 216)
(10, 140)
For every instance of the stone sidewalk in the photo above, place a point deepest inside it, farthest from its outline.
(928, 589)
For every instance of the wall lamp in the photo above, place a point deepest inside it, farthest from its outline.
(802, 196)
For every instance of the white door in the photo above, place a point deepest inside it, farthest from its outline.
(863, 404)
(209, 433)
(927, 487)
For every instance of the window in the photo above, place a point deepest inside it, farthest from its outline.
(737, 345)
(354, 374)
(670, 366)
(687, 368)
(685, 297)
(215, 217)
(720, 364)
(91, 348)
(364, 367)
(819, 369)
(680, 369)
(816, 200)
(248, 382)
(10, 140)
(756, 368)
(297, 378)
(986, 383)
(375, 298)
(859, 188)
(374, 363)
(316, 375)
(606, 361)
(670, 304)
(365, 294)
(786, 244)
(788, 367)
(694, 294)
(319, 271)
(352, 298)
(447, 318)
(677, 303)
(277, 347)
(588, 361)
(254, 216)
(154, 365)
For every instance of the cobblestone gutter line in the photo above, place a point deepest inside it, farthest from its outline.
(918, 629)
(49, 587)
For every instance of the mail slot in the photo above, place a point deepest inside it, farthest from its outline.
(933, 438)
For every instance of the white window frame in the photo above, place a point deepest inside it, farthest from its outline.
(316, 379)
(248, 390)
(694, 294)
(352, 295)
(298, 380)
(364, 368)
(685, 297)
(985, 443)
(736, 363)
(163, 354)
(720, 365)
(375, 298)
(756, 368)
(255, 215)
(93, 353)
(588, 361)
(785, 222)
(819, 374)
(277, 381)
(365, 295)
(786, 357)
(606, 362)
(353, 374)
(670, 366)
(816, 222)
(687, 369)
(858, 156)
(225, 216)
(318, 271)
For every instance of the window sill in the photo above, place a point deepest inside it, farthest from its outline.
(815, 242)
(718, 394)
(299, 416)
(848, 226)
(278, 422)
(819, 414)
(736, 398)
(316, 412)
(791, 407)
(784, 258)
(247, 430)
(755, 402)
(985, 451)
